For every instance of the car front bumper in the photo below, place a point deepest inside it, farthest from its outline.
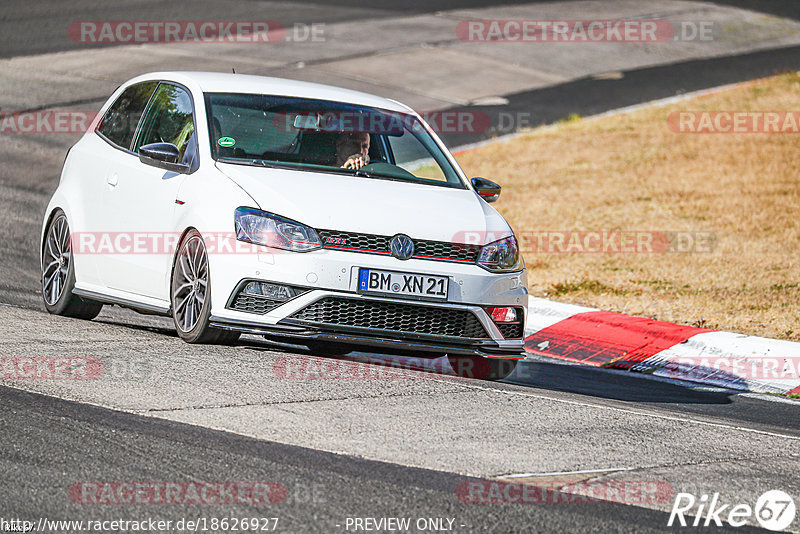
(332, 276)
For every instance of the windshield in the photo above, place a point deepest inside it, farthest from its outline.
(325, 136)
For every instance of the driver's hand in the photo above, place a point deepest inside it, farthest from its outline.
(354, 162)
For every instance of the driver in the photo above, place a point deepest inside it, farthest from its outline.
(352, 150)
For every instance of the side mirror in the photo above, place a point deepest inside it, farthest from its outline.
(163, 156)
(488, 190)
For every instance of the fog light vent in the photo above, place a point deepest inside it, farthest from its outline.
(271, 291)
(503, 315)
(255, 296)
(508, 320)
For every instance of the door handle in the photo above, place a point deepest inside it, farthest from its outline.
(113, 180)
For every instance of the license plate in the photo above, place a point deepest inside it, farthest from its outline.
(395, 283)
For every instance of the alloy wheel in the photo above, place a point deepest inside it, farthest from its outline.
(190, 284)
(56, 260)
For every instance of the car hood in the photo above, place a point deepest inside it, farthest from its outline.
(370, 205)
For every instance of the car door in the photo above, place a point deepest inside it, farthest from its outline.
(141, 202)
(95, 160)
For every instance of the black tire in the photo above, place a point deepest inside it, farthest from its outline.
(58, 273)
(190, 294)
(482, 368)
(325, 348)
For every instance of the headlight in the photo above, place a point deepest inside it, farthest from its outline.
(501, 256)
(262, 228)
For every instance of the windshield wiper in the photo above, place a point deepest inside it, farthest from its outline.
(363, 174)
(384, 176)
(257, 163)
(270, 164)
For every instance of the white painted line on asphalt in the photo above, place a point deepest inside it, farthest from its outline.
(584, 472)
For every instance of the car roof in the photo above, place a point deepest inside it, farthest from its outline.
(220, 82)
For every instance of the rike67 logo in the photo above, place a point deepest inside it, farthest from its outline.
(774, 510)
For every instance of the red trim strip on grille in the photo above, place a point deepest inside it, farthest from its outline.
(356, 249)
(442, 259)
(439, 258)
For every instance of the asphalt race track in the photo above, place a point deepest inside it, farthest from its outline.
(384, 445)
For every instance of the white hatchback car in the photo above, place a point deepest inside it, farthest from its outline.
(301, 212)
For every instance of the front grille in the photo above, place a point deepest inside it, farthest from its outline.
(379, 244)
(510, 330)
(392, 316)
(450, 251)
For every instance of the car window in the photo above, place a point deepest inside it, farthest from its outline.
(321, 135)
(411, 154)
(168, 119)
(119, 123)
(254, 129)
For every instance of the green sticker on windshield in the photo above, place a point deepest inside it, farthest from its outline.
(226, 141)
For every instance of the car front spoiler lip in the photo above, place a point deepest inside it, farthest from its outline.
(484, 348)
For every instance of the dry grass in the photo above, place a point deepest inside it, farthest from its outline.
(631, 172)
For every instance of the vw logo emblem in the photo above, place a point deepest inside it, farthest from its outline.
(401, 247)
